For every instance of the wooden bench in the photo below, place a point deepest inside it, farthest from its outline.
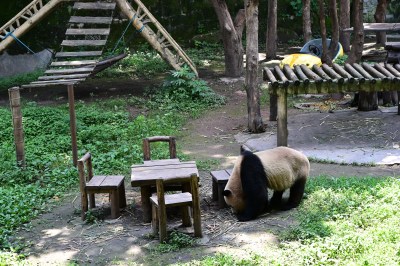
(219, 180)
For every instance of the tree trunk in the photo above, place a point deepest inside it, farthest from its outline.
(272, 29)
(307, 33)
(358, 33)
(344, 37)
(380, 17)
(240, 22)
(255, 123)
(233, 47)
(325, 53)
(335, 30)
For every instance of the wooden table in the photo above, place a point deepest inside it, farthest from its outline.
(146, 174)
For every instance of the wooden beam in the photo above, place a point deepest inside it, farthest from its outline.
(282, 117)
(15, 104)
(72, 123)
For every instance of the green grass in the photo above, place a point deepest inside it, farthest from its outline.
(342, 221)
(105, 128)
(9, 82)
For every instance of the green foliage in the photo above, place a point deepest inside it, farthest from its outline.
(9, 82)
(204, 52)
(224, 260)
(184, 92)
(144, 63)
(341, 60)
(176, 241)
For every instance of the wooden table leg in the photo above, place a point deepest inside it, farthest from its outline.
(145, 192)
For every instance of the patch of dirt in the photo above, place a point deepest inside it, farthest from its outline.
(60, 237)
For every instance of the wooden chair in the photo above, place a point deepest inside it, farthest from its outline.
(184, 200)
(146, 146)
(91, 184)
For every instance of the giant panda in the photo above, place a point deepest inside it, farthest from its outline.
(277, 169)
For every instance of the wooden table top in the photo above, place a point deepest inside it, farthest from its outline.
(148, 172)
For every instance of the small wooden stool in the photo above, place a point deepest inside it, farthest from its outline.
(219, 180)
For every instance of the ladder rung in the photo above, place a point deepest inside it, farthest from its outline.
(83, 42)
(73, 76)
(90, 20)
(79, 54)
(56, 81)
(87, 32)
(70, 70)
(94, 6)
(74, 63)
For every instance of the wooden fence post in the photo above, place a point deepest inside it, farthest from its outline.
(72, 123)
(282, 117)
(15, 103)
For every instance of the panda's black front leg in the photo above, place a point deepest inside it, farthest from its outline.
(275, 203)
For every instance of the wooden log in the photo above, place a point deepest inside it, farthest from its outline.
(392, 70)
(354, 73)
(72, 122)
(282, 118)
(311, 74)
(332, 73)
(386, 72)
(15, 104)
(301, 75)
(281, 76)
(273, 103)
(375, 73)
(343, 73)
(397, 67)
(364, 73)
(269, 76)
(291, 75)
(321, 73)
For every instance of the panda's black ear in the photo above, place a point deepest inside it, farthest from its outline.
(227, 192)
(243, 149)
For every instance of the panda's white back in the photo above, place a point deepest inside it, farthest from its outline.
(283, 166)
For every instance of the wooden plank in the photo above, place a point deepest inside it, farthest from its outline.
(90, 20)
(79, 54)
(77, 76)
(177, 199)
(161, 162)
(377, 27)
(69, 71)
(74, 43)
(56, 81)
(148, 178)
(48, 84)
(87, 32)
(94, 6)
(96, 181)
(146, 168)
(220, 175)
(112, 181)
(74, 63)
(395, 46)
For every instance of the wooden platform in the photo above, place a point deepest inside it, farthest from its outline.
(325, 79)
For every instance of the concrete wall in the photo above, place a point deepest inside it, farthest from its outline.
(11, 65)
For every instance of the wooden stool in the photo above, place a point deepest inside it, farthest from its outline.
(90, 184)
(183, 200)
(219, 180)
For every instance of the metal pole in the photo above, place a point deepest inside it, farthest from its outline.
(72, 123)
(15, 103)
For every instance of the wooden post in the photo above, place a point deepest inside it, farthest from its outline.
(282, 117)
(72, 122)
(15, 103)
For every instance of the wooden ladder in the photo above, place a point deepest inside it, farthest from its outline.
(156, 35)
(85, 40)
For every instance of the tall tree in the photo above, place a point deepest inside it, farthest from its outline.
(325, 54)
(380, 17)
(358, 32)
(344, 23)
(255, 123)
(328, 53)
(272, 24)
(307, 33)
(231, 38)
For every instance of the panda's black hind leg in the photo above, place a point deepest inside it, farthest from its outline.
(296, 194)
(275, 202)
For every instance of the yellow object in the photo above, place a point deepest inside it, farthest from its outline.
(301, 59)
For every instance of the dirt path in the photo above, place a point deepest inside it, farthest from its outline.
(60, 237)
